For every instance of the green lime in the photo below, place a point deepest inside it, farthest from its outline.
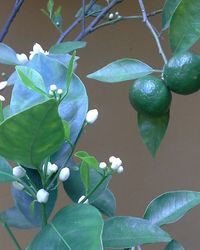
(182, 73)
(150, 95)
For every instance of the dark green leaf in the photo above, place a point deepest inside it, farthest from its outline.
(32, 79)
(66, 47)
(75, 227)
(32, 135)
(106, 203)
(125, 232)
(57, 18)
(122, 70)
(170, 207)
(1, 112)
(6, 171)
(168, 11)
(85, 175)
(174, 245)
(7, 55)
(184, 26)
(152, 130)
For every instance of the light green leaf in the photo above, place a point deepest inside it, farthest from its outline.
(170, 207)
(31, 79)
(85, 175)
(32, 135)
(75, 227)
(90, 160)
(185, 26)
(6, 172)
(70, 70)
(125, 232)
(50, 6)
(122, 70)
(174, 245)
(168, 11)
(66, 47)
(66, 130)
(152, 130)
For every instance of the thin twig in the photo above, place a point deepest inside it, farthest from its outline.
(12, 236)
(74, 24)
(15, 10)
(149, 25)
(83, 15)
(122, 18)
(97, 19)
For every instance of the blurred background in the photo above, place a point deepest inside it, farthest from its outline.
(177, 165)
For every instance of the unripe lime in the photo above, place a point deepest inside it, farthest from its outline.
(182, 73)
(150, 95)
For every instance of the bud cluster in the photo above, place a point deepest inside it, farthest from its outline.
(115, 165)
(56, 92)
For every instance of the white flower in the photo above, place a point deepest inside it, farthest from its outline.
(102, 165)
(37, 49)
(111, 159)
(64, 174)
(53, 87)
(42, 196)
(59, 91)
(51, 168)
(22, 58)
(120, 170)
(92, 116)
(3, 84)
(17, 185)
(82, 198)
(19, 171)
(116, 163)
(111, 15)
(2, 98)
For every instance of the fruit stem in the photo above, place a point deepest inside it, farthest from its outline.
(151, 28)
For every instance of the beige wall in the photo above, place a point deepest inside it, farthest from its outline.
(177, 164)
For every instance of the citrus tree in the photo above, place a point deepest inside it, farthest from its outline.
(48, 112)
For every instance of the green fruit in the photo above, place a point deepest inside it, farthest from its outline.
(182, 73)
(150, 95)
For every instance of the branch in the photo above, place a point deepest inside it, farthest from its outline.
(15, 10)
(122, 18)
(149, 25)
(74, 24)
(97, 19)
(83, 15)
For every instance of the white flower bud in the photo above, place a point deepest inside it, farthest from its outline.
(116, 164)
(64, 174)
(111, 159)
(22, 58)
(117, 13)
(2, 98)
(92, 116)
(42, 196)
(51, 93)
(19, 171)
(120, 170)
(3, 84)
(82, 198)
(51, 168)
(59, 91)
(53, 87)
(102, 165)
(111, 15)
(17, 185)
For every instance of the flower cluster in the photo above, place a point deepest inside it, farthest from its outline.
(115, 165)
(114, 15)
(54, 91)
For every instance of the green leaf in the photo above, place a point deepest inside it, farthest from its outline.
(75, 227)
(66, 47)
(184, 26)
(66, 130)
(6, 171)
(1, 112)
(125, 232)
(7, 55)
(50, 6)
(90, 160)
(32, 135)
(152, 130)
(90, 11)
(122, 70)
(168, 11)
(106, 203)
(70, 70)
(170, 207)
(85, 175)
(174, 245)
(31, 79)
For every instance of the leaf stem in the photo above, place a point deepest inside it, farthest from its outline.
(152, 30)
(12, 236)
(43, 215)
(15, 10)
